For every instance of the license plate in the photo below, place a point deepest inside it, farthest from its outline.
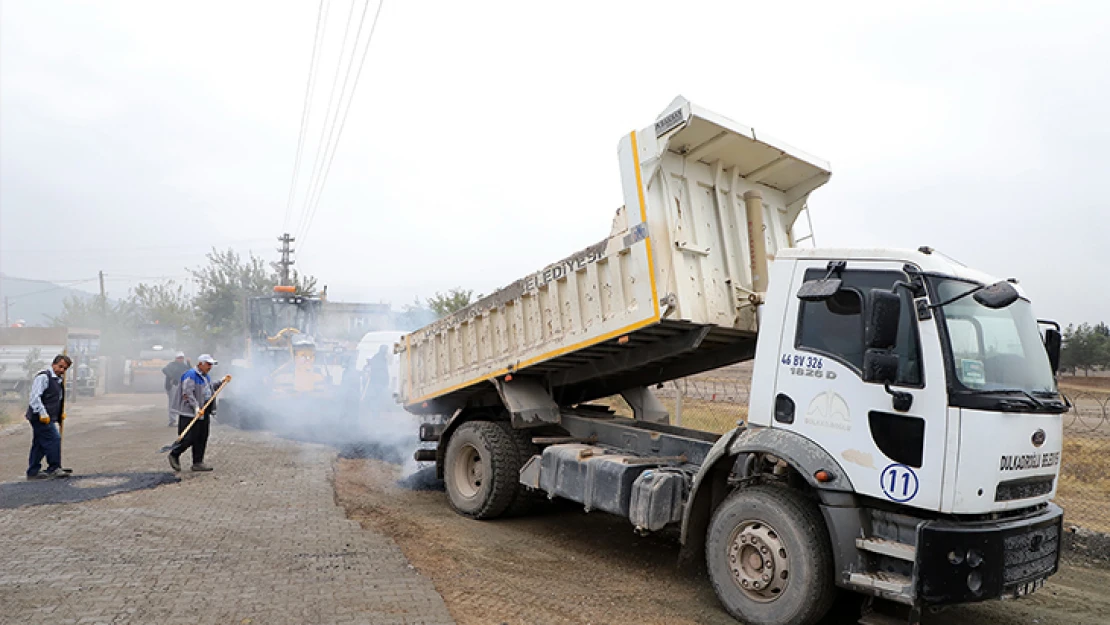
(1028, 588)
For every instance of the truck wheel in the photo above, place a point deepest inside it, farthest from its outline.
(481, 470)
(526, 500)
(769, 558)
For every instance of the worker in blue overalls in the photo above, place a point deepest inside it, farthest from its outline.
(45, 410)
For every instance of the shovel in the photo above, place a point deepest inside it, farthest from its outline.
(227, 379)
(61, 439)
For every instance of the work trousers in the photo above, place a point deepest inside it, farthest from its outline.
(197, 438)
(169, 397)
(45, 442)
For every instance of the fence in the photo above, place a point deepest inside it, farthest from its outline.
(717, 401)
(713, 404)
(1084, 487)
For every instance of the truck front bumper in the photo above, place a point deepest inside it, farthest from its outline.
(967, 562)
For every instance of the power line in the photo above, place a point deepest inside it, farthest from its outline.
(132, 278)
(306, 109)
(132, 248)
(53, 288)
(54, 282)
(343, 123)
(320, 146)
(314, 189)
(66, 284)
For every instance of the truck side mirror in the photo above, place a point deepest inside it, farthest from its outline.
(1052, 341)
(998, 295)
(880, 366)
(884, 309)
(819, 290)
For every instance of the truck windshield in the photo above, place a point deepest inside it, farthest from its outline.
(995, 352)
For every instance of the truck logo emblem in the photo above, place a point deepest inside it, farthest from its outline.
(1039, 438)
(829, 410)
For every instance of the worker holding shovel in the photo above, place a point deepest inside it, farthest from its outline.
(191, 403)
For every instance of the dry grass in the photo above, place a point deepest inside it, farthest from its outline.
(1095, 385)
(708, 416)
(1084, 487)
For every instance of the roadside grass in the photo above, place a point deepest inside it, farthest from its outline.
(1084, 487)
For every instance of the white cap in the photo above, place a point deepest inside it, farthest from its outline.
(179, 355)
(207, 358)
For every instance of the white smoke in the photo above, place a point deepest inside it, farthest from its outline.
(347, 414)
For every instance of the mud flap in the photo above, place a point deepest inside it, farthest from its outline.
(529, 403)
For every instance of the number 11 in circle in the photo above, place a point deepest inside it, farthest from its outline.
(899, 483)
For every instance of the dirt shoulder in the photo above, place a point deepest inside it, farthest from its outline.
(566, 566)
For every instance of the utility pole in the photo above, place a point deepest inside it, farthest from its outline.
(7, 305)
(103, 298)
(286, 257)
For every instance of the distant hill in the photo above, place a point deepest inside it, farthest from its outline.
(34, 301)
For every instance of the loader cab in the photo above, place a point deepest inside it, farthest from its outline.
(289, 312)
(283, 339)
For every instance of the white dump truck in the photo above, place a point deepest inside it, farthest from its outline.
(904, 429)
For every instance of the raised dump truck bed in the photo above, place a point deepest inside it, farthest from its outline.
(671, 292)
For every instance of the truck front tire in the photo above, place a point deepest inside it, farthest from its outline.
(768, 556)
(481, 470)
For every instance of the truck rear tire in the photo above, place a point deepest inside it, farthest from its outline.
(526, 500)
(481, 470)
(769, 558)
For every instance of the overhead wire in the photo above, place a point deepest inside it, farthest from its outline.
(66, 284)
(320, 146)
(306, 108)
(53, 288)
(122, 277)
(328, 144)
(154, 248)
(343, 122)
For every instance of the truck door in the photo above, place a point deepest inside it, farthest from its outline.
(820, 393)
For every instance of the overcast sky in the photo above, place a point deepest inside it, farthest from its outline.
(482, 140)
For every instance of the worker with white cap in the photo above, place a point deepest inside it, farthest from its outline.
(173, 373)
(188, 403)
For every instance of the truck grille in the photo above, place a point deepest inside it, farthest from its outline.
(1025, 488)
(1030, 555)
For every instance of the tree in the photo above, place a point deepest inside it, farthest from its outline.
(165, 303)
(455, 300)
(414, 316)
(1085, 347)
(224, 285)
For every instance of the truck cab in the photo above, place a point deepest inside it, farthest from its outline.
(931, 394)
